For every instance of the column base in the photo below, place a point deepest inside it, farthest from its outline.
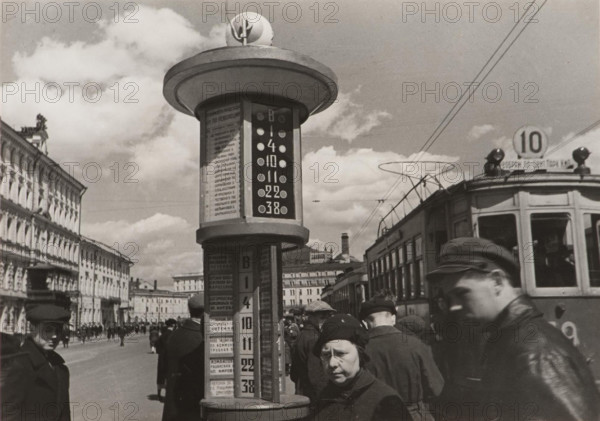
(291, 407)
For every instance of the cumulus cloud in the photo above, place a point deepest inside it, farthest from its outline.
(590, 140)
(104, 97)
(477, 131)
(345, 119)
(160, 245)
(348, 189)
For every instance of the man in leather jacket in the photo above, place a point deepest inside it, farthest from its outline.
(530, 369)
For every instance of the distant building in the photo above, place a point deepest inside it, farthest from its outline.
(140, 284)
(303, 284)
(40, 212)
(103, 284)
(189, 283)
(344, 256)
(307, 271)
(155, 305)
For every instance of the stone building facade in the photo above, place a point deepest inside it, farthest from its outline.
(157, 305)
(103, 284)
(189, 283)
(40, 216)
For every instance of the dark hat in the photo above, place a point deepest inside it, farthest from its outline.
(375, 305)
(37, 313)
(319, 306)
(413, 323)
(171, 322)
(196, 302)
(471, 253)
(341, 326)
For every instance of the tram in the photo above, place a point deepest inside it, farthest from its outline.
(549, 219)
(349, 291)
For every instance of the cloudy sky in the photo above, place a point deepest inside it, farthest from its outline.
(95, 71)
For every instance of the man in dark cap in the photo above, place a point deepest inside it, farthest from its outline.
(161, 350)
(530, 369)
(185, 366)
(306, 370)
(42, 377)
(401, 361)
(352, 393)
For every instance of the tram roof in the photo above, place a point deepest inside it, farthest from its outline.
(514, 180)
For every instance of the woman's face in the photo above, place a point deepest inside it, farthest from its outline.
(340, 361)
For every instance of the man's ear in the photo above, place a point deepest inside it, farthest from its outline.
(499, 279)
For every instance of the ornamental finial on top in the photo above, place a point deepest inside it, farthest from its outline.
(249, 28)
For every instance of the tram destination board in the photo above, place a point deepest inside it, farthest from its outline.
(272, 162)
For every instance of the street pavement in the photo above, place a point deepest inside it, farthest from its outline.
(113, 383)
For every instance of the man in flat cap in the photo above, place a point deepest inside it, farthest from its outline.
(185, 366)
(530, 369)
(306, 370)
(42, 378)
(400, 360)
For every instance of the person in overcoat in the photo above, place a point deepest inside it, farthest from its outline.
(185, 367)
(400, 360)
(306, 370)
(531, 371)
(352, 392)
(41, 376)
(161, 350)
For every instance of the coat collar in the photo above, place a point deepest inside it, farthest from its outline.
(349, 392)
(383, 330)
(43, 362)
(192, 325)
(518, 310)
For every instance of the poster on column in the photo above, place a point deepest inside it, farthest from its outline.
(220, 184)
(266, 325)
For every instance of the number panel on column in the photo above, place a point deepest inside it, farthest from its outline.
(273, 162)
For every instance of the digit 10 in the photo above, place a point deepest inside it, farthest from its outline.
(535, 142)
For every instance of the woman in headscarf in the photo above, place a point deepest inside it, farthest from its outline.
(352, 393)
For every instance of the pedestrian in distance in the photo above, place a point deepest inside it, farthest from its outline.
(352, 392)
(306, 370)
(530, 369)
(37, 380)
(161, 350)
(122, 332)
(66, 337)
(153, 337)
(185, 366)
(400, 360)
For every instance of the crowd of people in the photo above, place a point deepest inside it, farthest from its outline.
(377, 368)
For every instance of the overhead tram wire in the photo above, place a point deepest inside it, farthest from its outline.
(572, 138)
(443, 124)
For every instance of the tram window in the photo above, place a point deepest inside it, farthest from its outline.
(502, 230)
(592, 246)
(462, 229)
(400, 288)
(553, 255)
(406, 282)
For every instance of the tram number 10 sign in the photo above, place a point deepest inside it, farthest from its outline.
(530, 142)
(272, 162)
